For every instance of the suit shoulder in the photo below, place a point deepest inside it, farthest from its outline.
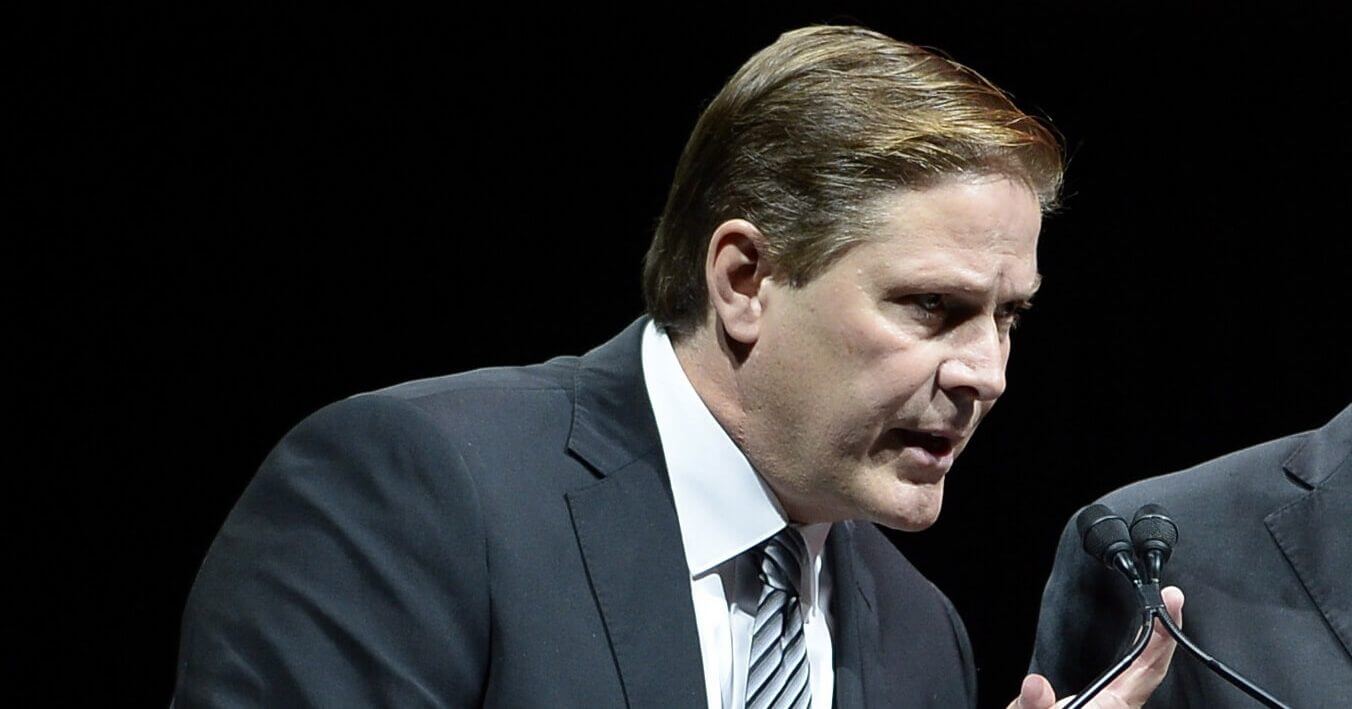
(493, 396)
(497, 419)
(556, 374)
(1240, 474)
(472, 396)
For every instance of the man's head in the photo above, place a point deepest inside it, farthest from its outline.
(850, 234)
(808, 133)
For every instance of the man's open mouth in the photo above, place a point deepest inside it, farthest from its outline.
(936, 445)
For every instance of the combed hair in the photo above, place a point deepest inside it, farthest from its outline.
(809, 133)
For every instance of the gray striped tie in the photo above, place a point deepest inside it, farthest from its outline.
(778, 674)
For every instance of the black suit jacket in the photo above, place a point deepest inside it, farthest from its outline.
(507, 537)
(1265, 560)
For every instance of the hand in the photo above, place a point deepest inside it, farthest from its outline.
(1131, 688)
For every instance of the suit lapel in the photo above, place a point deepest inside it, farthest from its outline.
(1312, 531)
(856, 642)
(628, 533)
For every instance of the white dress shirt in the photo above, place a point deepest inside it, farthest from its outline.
(724, 509)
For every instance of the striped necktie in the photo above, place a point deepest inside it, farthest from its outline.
(778, 674)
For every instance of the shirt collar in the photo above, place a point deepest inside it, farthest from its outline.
(723, 505)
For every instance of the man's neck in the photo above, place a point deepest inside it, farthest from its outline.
(708, 365)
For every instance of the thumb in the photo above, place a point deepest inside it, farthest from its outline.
(1035, 693)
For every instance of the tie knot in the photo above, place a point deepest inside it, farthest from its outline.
(782, 558)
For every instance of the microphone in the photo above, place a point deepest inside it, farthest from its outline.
(1154, 535)
(1107, 539)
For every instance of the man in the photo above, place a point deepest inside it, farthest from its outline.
(666, 521)
(1265, 554)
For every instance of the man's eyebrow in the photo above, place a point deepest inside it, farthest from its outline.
(1025, 300)
(963, 285)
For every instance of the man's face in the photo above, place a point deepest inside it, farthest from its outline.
(866, 383)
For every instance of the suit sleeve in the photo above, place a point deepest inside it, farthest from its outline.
(352, 572)
(1087, 620)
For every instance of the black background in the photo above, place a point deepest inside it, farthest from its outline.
(241, 215)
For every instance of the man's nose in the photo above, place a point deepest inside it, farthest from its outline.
(977, 363)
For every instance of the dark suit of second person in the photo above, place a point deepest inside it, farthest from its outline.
(1265, 558)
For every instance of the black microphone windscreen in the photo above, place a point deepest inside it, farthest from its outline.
(1103, 532)
(1151, 528)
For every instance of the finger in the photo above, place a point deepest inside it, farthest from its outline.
(1173, 601)
(1161, 647)
(1134, 686)
(1035, 693)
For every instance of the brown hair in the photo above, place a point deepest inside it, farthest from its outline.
(809, 132)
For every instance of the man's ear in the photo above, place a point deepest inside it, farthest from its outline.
(735, 270)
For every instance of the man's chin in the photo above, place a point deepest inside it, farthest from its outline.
(913, 524)
(916, 510)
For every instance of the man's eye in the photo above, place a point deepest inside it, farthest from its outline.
(931, 309)
(930, 302)
(1010, 315)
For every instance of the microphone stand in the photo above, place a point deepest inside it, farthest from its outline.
(1152, 607)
